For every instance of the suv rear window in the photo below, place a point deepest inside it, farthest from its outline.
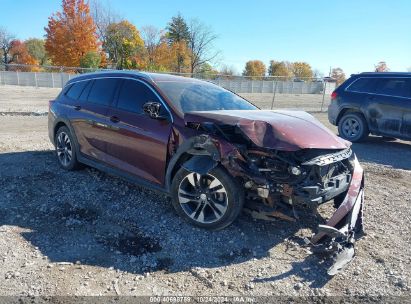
(394, 87)
(363, 85)
(76, 89)
(102, 91)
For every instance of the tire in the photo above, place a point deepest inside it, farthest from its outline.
(353, 127)
(193, 201)
(65, 150)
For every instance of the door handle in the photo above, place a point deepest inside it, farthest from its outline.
(114, 119)
(77, 108)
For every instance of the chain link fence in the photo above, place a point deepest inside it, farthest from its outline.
(309, 94)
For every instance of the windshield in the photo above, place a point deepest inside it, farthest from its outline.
(202, 96)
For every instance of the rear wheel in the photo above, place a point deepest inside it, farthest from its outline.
(66, 154)
(211, 201)
(353, 127)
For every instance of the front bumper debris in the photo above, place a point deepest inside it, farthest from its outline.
(337, 236)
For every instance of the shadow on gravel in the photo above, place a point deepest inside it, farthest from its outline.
(310, 271)
(381, 151)
(88, 217)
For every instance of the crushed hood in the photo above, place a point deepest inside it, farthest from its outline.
(281, 129)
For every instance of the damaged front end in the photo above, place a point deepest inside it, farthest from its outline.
(286, 171)
(286, 185)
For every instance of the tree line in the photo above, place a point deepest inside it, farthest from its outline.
(91, 35)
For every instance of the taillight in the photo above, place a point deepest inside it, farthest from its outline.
(334, 95)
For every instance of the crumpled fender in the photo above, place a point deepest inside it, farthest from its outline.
(206, 152)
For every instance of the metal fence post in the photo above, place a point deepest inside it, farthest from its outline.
(275, 89)
(52, 79)
(322, 103)
(35, 79)
(62, 79)
(18, 78)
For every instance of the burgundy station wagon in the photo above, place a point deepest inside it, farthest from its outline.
(211, 151)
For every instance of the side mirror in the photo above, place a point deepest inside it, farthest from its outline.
(153, 109)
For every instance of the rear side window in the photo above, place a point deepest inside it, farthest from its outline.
(76, 89)
(394, 87)
(102, 91)
(133, 95)
(363, 85)
(86, 91)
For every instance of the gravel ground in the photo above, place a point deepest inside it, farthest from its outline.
(25, 99)
(88, 233)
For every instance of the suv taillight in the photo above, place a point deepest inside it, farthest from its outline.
(334, 95)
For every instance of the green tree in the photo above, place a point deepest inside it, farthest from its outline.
(178, 34)
(207, 71)
(255, 69)
(302, 70)
(37, 50)
(280, 68)
(91, 60)
(123, 44)
(177, 30)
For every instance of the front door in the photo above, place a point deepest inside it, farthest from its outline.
(137, 143)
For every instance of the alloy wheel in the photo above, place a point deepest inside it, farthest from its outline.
(351, 127)
(64, 149)
(203, 197)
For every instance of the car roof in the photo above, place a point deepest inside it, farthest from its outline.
(155, 77)
(383, 74)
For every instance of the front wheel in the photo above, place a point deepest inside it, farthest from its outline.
(212, 201)
(353, 127)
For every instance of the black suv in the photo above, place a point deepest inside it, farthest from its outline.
(377, 103)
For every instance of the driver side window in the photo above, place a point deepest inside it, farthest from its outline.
(133, 95)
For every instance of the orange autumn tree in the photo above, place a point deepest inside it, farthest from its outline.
(71, 34)
(165, 57)
(20, 55)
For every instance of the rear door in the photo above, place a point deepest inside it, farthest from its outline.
(91, 121)
(138, 143)
(359, 95)
(391, 106)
